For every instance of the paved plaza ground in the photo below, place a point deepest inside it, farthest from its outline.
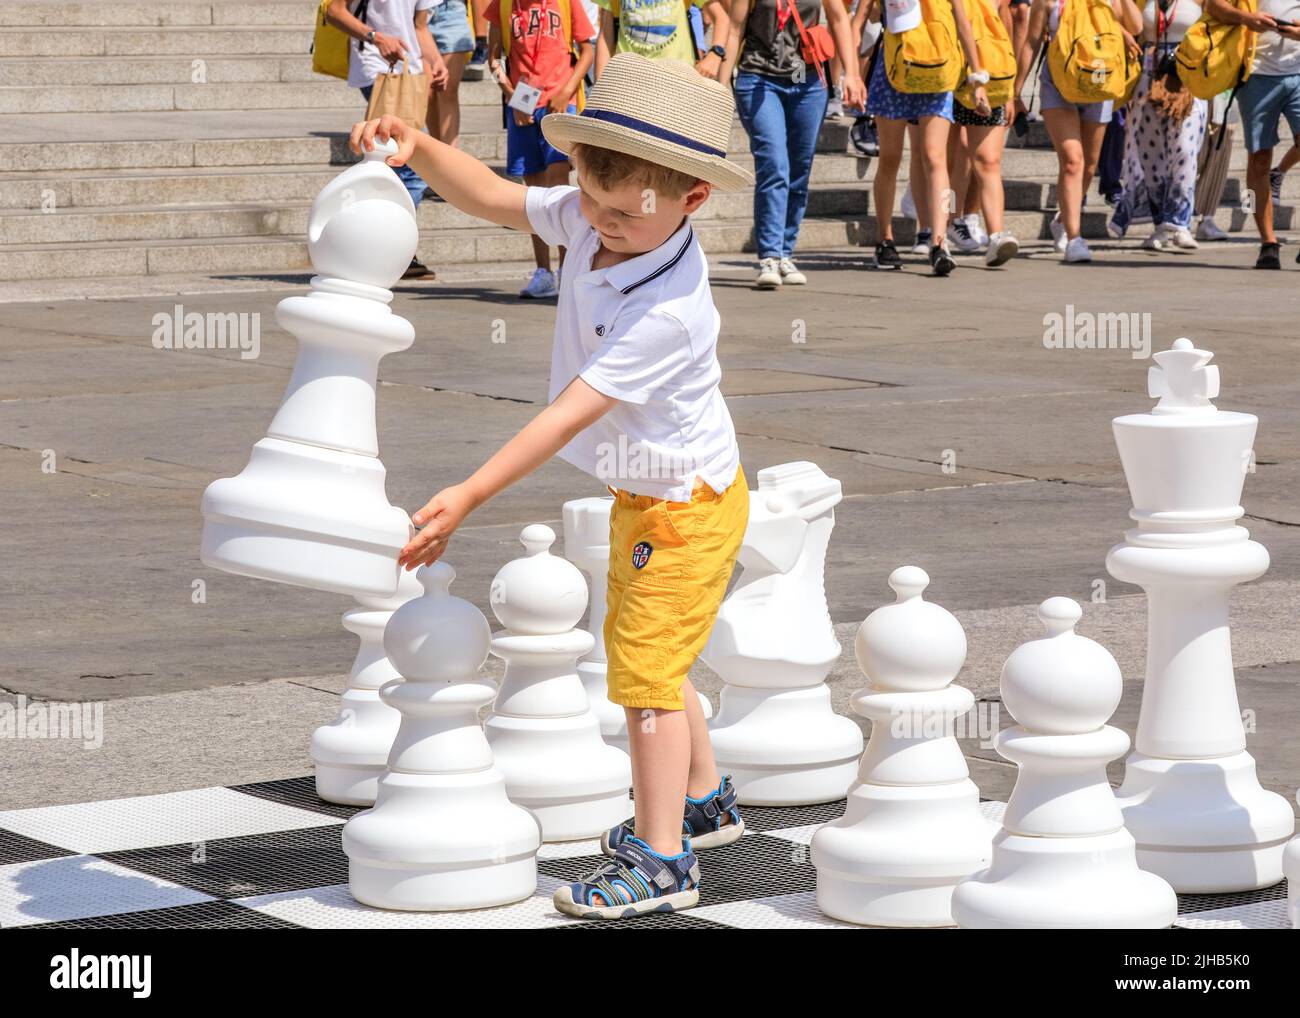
(963, 443)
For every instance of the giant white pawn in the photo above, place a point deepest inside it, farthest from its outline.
(442, 834)
(543, 733)
(351, 752)
(774, 643)
(912, 828)
(1063, 858)
(586, 545)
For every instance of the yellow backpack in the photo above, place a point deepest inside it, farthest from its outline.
(1087, 57)
(926, 58)
(1214, 57)
(330, 47)
(579, 97)
(994, 48)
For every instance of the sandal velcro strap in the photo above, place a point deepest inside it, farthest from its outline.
(649, 865)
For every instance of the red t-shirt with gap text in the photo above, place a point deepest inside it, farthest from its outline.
(539, 46)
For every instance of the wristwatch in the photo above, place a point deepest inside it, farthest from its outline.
(370, 37)
(719, 51)
(977, 78)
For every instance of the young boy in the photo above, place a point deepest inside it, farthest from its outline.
(635, 401)
(538, 39)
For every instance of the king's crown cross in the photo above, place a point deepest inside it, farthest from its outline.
(1183, 379)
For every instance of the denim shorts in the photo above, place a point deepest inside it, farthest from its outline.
(449, 25)
(1049, 98)
(527, 150)
(1263, 100)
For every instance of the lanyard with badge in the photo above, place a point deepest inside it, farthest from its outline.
(526, 96)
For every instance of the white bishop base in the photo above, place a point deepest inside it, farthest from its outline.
(1206, 826)
(1088, 882)
(784, 747)
(938, 829)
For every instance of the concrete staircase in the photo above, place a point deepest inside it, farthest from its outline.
(188, 138)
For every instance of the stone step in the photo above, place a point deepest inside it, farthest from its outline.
(173, 13)
(225, 40)
(482, 245)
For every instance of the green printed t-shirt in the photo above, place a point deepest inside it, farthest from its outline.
(653, 28)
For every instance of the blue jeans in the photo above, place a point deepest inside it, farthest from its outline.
(782, 119)
(414, 185)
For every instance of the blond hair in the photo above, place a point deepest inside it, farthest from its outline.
(608, 169)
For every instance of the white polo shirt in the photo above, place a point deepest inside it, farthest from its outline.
(644, 331)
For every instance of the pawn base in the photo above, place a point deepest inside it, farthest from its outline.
(1064, 883)
(351, 752)
(1291, 864)
(1206, 826)
(785, 747)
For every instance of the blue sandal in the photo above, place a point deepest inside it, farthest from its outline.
(636, 881)
(702, 821)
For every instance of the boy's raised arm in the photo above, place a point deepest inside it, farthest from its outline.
(459, 178)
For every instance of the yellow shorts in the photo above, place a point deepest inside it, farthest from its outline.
(669, 564)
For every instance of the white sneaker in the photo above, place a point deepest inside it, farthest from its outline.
(1210, 230)
(907, 206)
(959, 236)
(976, 229)
(921, 246)
(1058, 234)
(790, 272)
(769, 273)
(1179, 236)
(1002, 248)
(541, 285)
(1153, 241)
(1077, 251)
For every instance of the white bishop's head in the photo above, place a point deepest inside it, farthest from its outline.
(362, 225)
(1061, 683)
(437, 637)
(911, 645)
(540, 593)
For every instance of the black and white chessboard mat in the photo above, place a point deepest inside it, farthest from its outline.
(269, 855)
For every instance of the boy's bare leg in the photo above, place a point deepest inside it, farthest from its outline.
(704, 777)
(660, 745)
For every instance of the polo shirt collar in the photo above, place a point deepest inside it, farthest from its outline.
(635, 272)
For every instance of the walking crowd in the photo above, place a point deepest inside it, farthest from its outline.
(1137, 98)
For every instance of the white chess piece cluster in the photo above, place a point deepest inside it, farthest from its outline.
(443, 833)
(1063, 857)
(1190, 794)
(544, 735)
(310, 508)
(773, 645)
(912, 828)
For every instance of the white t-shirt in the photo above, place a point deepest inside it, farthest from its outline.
(1276, 54)
(1181, 15)
(644, 331)
(389, 17)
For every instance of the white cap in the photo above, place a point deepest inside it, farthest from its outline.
(902, 15)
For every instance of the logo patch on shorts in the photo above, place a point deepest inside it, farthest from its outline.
(641, 554)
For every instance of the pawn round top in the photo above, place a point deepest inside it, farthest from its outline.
(911, 645)
(362, 225)
(1061, 683)
(539, 593)
(437, 637)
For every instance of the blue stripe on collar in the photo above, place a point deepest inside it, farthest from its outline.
(681, 252)
(645, 127)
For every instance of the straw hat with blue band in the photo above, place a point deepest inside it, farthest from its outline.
(663, 111)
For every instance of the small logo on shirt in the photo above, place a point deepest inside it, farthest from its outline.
(600, 330)
(641, 554)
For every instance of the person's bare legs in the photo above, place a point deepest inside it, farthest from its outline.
(703, 777)
(959, 168)
(916, 178)
(1290, 159)
(444, 106)
(986, 146)
(1257, 167)
(1091, 136)
(1063, 128)
(890, 133)
(659, 742)
(933, 136)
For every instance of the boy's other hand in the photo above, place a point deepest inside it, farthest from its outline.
(364, 133)
(443, 514)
